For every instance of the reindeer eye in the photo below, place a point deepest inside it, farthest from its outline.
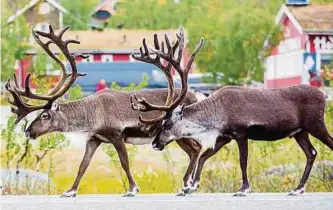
(45, 116)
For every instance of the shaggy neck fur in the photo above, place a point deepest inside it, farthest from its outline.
(201, 111)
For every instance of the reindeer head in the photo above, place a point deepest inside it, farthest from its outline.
(165, 124)
(49, 120)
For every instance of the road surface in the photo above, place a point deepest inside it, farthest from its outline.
(264, 201)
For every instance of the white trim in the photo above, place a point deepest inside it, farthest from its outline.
(325, 51)
(131, 59)
(32, 4)
(286, 77)
(61, 19)
(284, 10)
(318, 61)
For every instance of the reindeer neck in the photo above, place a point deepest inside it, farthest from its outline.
(201, 111)
(78, 115)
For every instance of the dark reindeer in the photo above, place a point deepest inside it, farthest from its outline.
(105, 116)
(241, 114)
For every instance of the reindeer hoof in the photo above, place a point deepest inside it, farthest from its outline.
(131, 193)
(181, 193)
(296, 192)
(242, 193)
(191, 190)
(69, 194)
(184, 191)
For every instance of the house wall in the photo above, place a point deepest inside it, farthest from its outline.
(43, 12)
(285, 65)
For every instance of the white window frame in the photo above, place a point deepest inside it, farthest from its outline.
(107, 58)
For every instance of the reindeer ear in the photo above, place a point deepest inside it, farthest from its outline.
(55, 106)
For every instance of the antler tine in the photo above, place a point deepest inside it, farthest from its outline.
(181, 40)
(63, 31)
(156, 43)
(168, 44)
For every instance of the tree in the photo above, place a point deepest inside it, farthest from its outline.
(14, 44)
(152, 14)
(79, 13)
(234, 33)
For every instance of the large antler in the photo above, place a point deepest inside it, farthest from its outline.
(59, 90)
(142, 104)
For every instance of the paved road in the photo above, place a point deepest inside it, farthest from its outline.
(267, 201)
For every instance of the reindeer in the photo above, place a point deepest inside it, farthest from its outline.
(105, 116)
(239, 113)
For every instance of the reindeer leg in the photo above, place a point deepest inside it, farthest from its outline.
(243, 154)
(303, 141)
(193, 150)
(91, 147)
(123, 157)
(220, 142)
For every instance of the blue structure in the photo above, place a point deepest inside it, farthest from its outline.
(123, 73)
(297, 2)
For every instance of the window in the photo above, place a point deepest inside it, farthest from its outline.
(107, 58)
(42, 27)
(90, 59)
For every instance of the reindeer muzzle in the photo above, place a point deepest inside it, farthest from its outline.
(157, 147)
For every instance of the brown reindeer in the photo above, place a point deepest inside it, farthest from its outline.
(241, 114)
(105, 116)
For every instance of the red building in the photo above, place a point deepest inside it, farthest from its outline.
(306, 46)
(101, 46)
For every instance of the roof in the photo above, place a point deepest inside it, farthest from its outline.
(309, 18)
(33, 3)
(112, 40)
(314, 16)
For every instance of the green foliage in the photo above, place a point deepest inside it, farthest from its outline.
(52, 141)
(133, 14)
(112, 154)
(235, 48)
(13, 46)
(40, 64)
(79, 13)
(75, 93)
(11, 138)
(132, 86)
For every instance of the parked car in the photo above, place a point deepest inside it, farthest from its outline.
(198, 82)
